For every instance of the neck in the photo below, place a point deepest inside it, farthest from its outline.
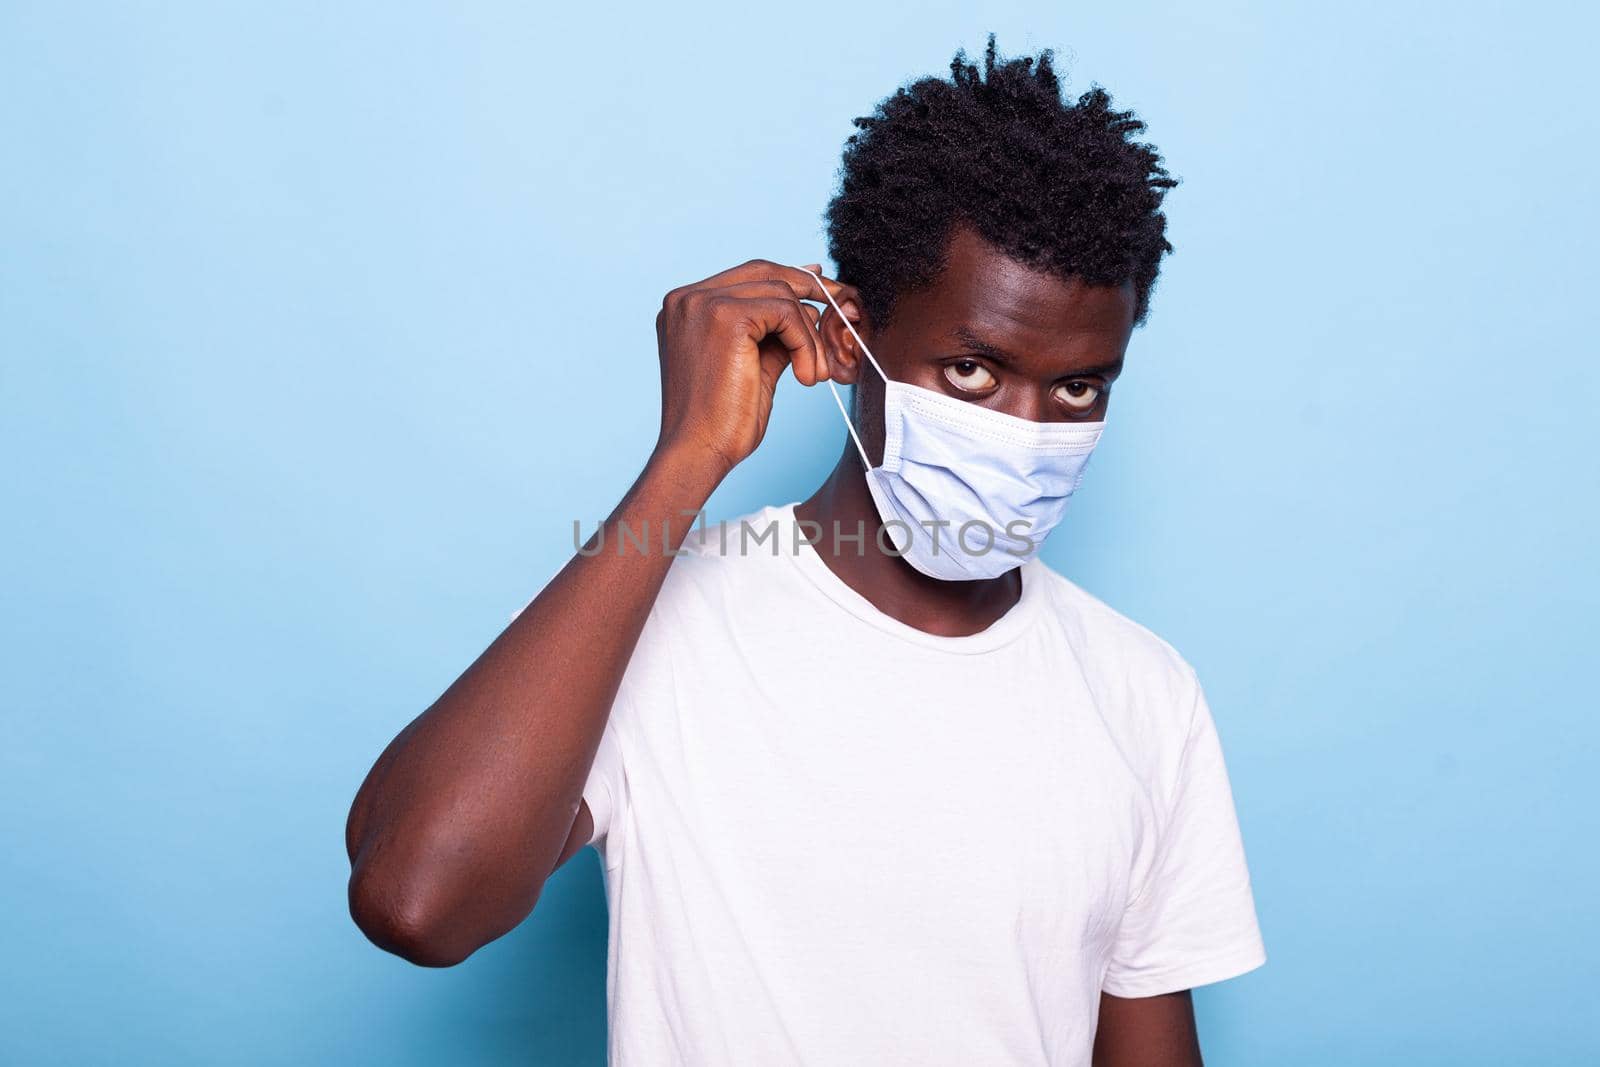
(889, 583)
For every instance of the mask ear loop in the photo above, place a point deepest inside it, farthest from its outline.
(837, 399)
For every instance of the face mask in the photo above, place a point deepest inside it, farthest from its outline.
(965, 492)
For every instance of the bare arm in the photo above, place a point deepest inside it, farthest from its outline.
(469, 809)
(1147, 1032)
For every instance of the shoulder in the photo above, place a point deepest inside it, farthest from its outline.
(718, 543)
(1117, 641)
(725, 587)
(1144, 689)
(728, 564)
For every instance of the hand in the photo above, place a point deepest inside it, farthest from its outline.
(724, 343)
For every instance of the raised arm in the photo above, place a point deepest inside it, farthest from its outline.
(472, 805)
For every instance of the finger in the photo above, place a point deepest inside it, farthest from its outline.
(811, 366)
(804, 286)
(786, 322)
(843, 295)
(823, 369)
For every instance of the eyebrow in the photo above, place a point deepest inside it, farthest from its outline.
(1000, 355)
(972, 341)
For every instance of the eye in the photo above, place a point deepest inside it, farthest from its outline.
(1079, 396)
(969, 376)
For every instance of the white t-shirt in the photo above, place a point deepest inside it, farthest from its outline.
(831, 838)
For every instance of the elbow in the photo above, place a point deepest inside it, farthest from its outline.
(412, 922)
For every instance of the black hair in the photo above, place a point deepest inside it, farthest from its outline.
(1059, 186)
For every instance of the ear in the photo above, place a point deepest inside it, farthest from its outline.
(843, 353)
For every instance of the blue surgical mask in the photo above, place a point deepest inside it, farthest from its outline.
(966, 492)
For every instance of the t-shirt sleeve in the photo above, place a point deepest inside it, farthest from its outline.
(1194, 920)
(646, 683)
(605, 790)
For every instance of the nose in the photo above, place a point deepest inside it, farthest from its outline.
(1032, 402)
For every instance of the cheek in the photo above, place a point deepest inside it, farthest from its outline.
(866, 408)
(1026, 401)
(901, 364)
(928, 376)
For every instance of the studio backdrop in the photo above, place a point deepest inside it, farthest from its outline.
(320, 324)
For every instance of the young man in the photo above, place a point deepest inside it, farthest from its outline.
(871, 783)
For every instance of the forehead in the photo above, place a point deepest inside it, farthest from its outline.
(985, 294)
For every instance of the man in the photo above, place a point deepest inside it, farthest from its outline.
(870, 782)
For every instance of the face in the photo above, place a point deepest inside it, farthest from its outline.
(999, 334)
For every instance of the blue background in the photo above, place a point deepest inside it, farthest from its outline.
(321, 322)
